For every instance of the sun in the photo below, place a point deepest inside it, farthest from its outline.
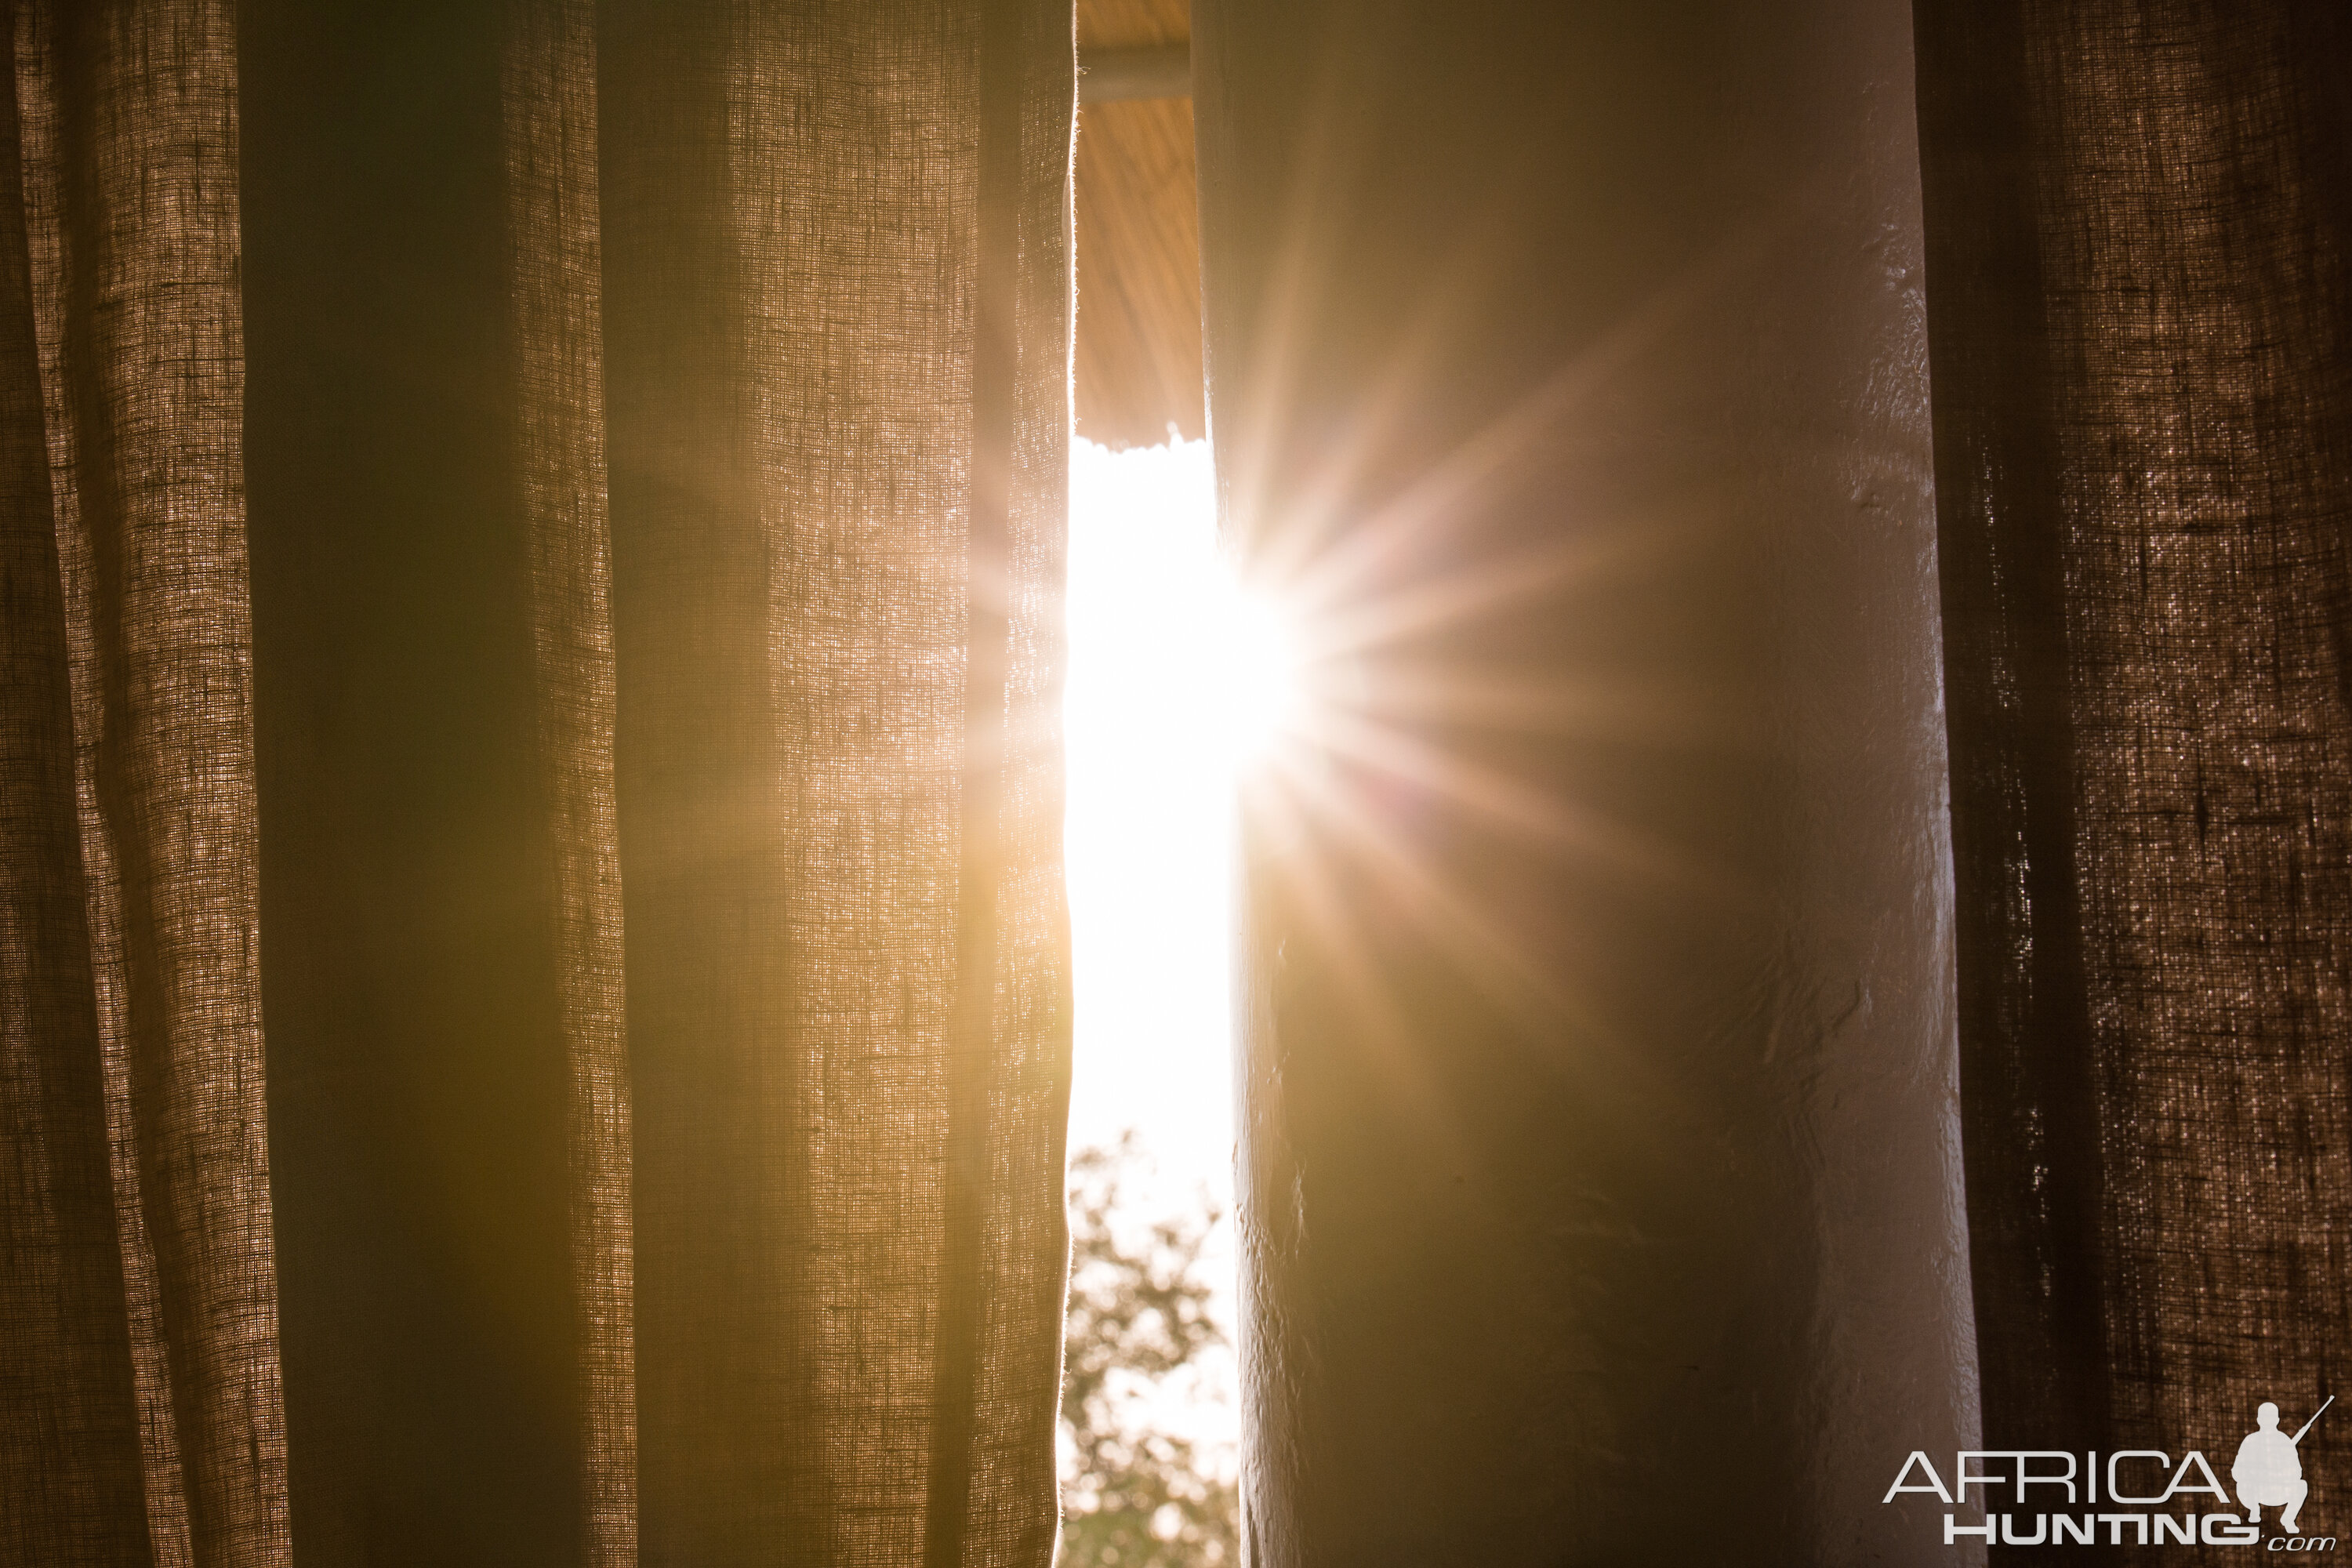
(1253, 667)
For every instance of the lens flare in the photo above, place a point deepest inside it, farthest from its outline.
(1254, 669)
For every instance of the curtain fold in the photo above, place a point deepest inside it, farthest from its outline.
(548, 113)
(533, 548)
(127, 135)
(2138, 218)
(68, 1413)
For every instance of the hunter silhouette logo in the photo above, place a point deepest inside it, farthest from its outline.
(2267, 1472)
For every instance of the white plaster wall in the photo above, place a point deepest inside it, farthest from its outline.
(1601, 1188)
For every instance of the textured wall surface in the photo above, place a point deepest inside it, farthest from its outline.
(1599, 1168)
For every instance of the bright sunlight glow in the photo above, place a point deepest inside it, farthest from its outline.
(1177, 680)
(1250, 671)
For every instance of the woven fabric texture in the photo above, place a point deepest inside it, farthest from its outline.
(2138, 214)
(533, 1000)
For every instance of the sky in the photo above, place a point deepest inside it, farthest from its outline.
(1149, 782)
(1168, 696)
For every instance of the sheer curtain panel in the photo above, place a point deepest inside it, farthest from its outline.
(534, 1020)
(2139, 268)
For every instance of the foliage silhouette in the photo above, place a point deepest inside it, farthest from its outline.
(1139, 1317)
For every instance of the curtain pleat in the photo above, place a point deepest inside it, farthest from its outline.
(68, 1411)
(2138, 218)
(548, 95)
(128, 131)
(545, 586)
(826, 966)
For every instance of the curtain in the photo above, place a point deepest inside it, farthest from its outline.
(533, 1010)
(2139, 220)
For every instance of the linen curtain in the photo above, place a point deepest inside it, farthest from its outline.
(2138, 216)
(533, 1014)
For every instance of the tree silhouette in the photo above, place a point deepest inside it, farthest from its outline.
(1139, 1317)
